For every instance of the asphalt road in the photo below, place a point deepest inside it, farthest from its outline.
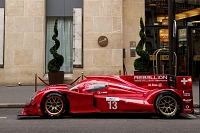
(97, 123)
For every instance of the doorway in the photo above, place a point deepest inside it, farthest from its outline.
(187, 49)
(194, 51)
(157, 38)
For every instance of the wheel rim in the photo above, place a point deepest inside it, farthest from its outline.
(54, 105)
(168, 105)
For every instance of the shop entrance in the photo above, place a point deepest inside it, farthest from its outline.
(194, 51)
(161, 61)
(187, 50)
(158, 48)
(182, 51)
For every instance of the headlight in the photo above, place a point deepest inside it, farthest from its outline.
(31, 98)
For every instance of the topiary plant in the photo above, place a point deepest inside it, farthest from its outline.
(142, 63)
(57, 61)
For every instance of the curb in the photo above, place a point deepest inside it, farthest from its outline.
(12, 105)
(196, 105)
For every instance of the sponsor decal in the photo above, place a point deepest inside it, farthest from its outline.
(160, 84)
(112, 102)
(186, 94)
(153, 84)
(127, 101)
(187, 108)
(184, 81)
(135, 101)
(112, 98)
(103, 92)
(150, 78)
(187, 100)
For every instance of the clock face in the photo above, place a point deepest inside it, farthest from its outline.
(103, 41)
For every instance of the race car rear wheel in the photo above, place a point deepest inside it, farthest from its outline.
(54, 105)
(167, 105)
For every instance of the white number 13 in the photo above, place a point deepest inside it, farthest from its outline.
(112, 105)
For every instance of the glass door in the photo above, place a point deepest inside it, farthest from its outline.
(188, 51)
(157, 40)
(182, 52)
(195, 51)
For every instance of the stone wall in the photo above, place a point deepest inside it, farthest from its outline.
(24, 56)
(119, 20)
(103, 18)
(24, 41)
(132, 11)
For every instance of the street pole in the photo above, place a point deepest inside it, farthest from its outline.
(170, 37)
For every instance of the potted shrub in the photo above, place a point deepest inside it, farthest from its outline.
(55, 75)
(141, 64)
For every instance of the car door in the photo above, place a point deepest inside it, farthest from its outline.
(107, 100)
(123, 98)
(101, 99)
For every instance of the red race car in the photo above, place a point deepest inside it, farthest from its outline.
(165, 95)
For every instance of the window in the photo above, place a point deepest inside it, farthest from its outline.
(69, 15)
(2, 5)
(65, 36)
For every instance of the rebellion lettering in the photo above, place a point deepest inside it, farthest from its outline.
(150, 78)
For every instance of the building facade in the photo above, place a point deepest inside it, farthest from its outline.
(23, 52)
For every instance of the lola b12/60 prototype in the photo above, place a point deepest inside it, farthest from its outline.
(165, 95)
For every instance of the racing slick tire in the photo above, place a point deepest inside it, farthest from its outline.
(167, 105)
(53, 105)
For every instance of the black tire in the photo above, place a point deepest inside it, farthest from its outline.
(53, 105)
(167, 105)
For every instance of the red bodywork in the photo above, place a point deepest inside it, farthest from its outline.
(117, 94)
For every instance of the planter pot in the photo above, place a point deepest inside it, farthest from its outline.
(56, 77)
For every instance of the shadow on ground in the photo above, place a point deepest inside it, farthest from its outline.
(115, 116)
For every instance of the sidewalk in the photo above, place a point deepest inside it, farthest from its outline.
(196, 94)
(17, 96)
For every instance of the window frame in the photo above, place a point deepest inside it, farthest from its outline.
(54, 12)
(3, 37)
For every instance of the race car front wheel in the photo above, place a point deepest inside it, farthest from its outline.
(167, 105)
(54, 105)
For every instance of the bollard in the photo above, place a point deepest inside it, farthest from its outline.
(82, 75)
(120, 72)
(35, 82)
